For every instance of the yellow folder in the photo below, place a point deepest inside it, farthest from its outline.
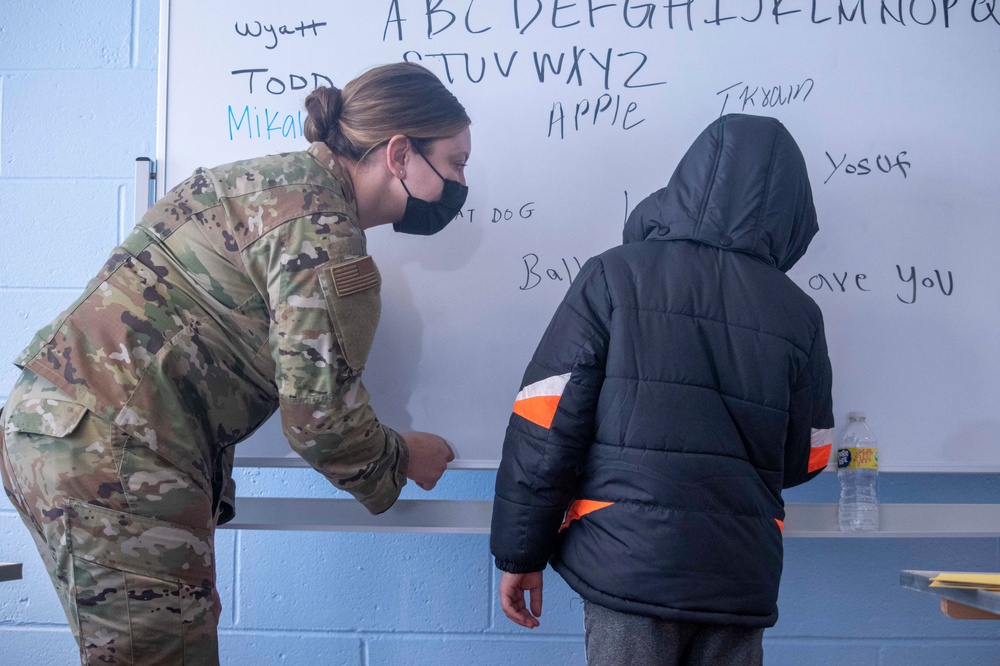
(968, 580)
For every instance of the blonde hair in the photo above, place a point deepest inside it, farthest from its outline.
(400, 98)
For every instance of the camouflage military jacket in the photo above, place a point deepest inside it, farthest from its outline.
(246, 289)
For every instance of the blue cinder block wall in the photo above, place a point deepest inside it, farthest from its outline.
(77, 106)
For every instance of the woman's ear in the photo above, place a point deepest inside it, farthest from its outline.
(397, 153)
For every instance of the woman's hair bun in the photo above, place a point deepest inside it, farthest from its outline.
(385, 101)
(323, 105)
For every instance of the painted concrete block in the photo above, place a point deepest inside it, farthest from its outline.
(32, 599)
(907, 487)
(225, 575)
(562, 609)
(943, 653)
(251, 649)
(24, 312)
(797, 652)
(360, 581)
(146, 42)
(57, 233)
(38, 646)
(73, 36)
(850, 587)
(93, 123)
(386, 651)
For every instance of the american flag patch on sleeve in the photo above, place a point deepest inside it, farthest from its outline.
(353, 276)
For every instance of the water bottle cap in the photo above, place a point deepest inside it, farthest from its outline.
(855, 416)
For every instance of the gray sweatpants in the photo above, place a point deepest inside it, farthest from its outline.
(622, 639)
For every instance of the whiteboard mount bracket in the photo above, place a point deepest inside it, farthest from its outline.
(145, 185)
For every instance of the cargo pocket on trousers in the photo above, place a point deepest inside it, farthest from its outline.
(46, 416)
(352, 294)
(142, 588)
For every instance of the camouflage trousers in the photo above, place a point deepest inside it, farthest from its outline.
(127, 539)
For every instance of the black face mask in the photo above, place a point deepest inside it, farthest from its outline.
(425, 218)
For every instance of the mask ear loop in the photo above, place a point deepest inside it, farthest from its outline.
(403, 183)
(424, 158)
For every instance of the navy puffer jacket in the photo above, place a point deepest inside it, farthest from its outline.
(682, 383)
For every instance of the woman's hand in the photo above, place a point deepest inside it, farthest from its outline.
(429, 456)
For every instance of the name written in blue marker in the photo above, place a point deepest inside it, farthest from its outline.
(255, 123)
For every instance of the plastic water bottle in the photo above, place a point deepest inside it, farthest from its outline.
(857, 467)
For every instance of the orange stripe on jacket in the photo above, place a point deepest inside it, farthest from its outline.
(819, 456)
(820, 444)
(539, 401)
(581, 508)
(540, 410)
(781, 525)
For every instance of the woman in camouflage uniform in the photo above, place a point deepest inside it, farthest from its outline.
(246, 289)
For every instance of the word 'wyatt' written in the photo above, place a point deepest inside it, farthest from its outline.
(270, 32)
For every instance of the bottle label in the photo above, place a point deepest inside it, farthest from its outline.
(857, 458)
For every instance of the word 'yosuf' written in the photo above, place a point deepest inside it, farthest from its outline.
(866, 166)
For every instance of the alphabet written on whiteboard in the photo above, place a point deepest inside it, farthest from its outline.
(935, 282)
(569, 67)
(440, 16)
(575, 67)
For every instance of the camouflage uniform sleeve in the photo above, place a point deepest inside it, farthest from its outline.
(319, 341)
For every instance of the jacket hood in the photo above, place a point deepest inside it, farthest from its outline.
(742, 186)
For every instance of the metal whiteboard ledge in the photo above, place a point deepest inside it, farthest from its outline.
(10, 571)
(921, 582)
(297, 462)
(473, 517)
(898, 521)
(348, 515)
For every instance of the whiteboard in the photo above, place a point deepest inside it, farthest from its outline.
(581, 109)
